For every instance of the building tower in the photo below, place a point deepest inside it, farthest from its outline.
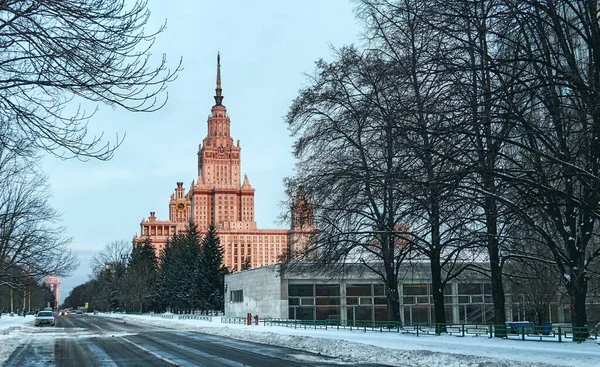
(220, 195)
(53, 283)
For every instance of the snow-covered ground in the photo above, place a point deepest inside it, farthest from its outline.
(397, 349)
(8, 343)
(358, 346)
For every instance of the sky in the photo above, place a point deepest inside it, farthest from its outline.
(266, 48)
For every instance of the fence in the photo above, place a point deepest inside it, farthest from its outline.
(521, 332)
(186, 316)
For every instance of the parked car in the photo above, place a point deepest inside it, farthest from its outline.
(45, 318)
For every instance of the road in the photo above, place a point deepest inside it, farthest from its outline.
(85, 340)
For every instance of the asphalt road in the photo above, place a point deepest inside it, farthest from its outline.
(85, 340)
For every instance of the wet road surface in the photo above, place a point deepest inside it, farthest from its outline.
(85, 340)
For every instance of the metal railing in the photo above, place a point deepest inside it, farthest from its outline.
(520, 332)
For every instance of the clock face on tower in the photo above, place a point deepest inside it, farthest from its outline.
(180, 205)
(221, 150)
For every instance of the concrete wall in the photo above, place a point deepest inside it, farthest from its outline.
(262, 293)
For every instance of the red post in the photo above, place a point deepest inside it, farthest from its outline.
(249, 319)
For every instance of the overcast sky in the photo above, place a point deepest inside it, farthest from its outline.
(266, 47)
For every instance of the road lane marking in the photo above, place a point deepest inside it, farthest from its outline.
(151, 352)
(100, 356)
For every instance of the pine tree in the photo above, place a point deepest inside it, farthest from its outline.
(180, 274)
(170, 281)
(142, 275)
(190, 266)
(212, 272)
(246, 264)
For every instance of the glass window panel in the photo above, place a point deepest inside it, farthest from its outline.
(358, 289)
(350, 315)
(327, 290)
(407, 317)
(300, 290)
(448, 300)
(363, 312)
(487, 288)
(291, 313)
(464, 299)
(380, 300)
(462, 314)
(475, 314)
(352, 300)
(328, 313)
(327, 301)
(469, 288)
(366, 300)
(305, 313)
(420, 313)
(448, 313)
(307, 301)
(381, 313)
(294, 301)
(415, 289)
(489, 314)
(423, 300)
(379, 290)
(477, 299)
(408, 300)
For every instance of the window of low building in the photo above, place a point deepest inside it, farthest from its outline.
(237, 296)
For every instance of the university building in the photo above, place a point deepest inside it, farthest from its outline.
(220, 195)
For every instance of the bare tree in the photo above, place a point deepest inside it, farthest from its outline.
(56, 52)
(108, 275)
(558, 134)
(31, 240)
(113, 253)
(350, 166)
(431, 171)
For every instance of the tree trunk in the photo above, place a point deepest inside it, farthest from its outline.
(393, 297)
(577, 289)
(393, 301)
(437, 292)
(495, 267)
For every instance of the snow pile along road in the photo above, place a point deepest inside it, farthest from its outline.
(8, 342)
(393, 348)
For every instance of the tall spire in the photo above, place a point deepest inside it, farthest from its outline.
(218, 97)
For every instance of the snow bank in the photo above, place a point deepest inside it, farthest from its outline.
(8, 343)
(393, 348)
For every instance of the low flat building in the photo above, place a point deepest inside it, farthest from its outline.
(361, 295)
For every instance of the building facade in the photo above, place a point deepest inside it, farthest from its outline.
(219, 195)
(53, 283)
(360, 295)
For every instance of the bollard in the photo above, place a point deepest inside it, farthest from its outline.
(249, 319)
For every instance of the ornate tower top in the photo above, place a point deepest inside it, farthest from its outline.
(218, 90)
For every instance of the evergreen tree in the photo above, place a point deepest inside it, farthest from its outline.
(172, 277)
(212, 272)
(179, 273)
(190, 266)
(142, 276)
(246, 263)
